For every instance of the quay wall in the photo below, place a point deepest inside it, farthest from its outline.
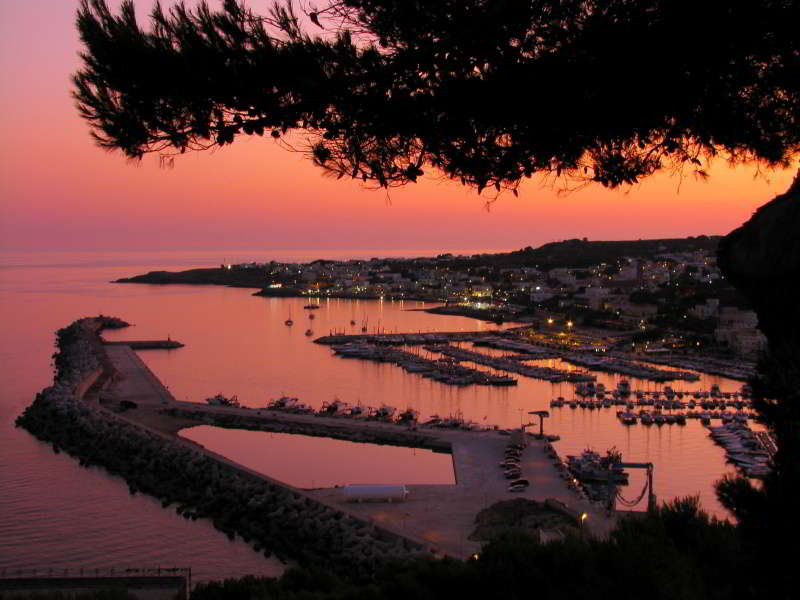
(147, 344)
(348, 430)
(274, 518)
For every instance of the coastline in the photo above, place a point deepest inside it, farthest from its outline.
(71, 417)
(113, 412)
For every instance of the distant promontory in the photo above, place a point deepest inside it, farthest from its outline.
(574, 253)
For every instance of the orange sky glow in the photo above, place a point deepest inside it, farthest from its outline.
(59, 191)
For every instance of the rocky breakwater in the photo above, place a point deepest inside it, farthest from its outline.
(274, 518)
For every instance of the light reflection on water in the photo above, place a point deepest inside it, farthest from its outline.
(52, 512)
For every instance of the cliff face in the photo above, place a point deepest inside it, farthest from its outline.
(762, 259)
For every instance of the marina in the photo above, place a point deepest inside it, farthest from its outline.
(514, 366)
(442, 369)
(123, 395)
(244, 349)
(383, 383)
(514, 340)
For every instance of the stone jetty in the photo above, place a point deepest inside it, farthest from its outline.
(106, 408)
(272, 516)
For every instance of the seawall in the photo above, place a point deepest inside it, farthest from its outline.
(273, 517)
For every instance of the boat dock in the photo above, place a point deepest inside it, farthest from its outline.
(513, 365)
(440, 517)
(407, 339)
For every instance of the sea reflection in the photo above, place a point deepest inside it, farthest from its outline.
(311, 462)
(56, 513)
(239, 344)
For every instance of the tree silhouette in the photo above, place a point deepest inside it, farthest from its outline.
(489, 92)
(485, 92)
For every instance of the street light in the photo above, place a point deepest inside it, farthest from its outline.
(584, 516)
(569, 323)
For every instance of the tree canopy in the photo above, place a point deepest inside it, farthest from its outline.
(486, 92)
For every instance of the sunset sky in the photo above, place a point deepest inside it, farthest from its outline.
(59, 191)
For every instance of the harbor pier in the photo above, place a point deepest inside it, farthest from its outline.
(439, 517)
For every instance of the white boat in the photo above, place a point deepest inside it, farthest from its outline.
(220, 400)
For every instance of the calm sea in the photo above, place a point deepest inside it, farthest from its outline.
(56, 514)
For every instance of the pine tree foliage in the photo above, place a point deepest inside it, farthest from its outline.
(486, 92)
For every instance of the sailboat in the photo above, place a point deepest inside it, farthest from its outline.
(364, 325)
(289, 321)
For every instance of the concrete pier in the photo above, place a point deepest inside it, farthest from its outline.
(147, 344)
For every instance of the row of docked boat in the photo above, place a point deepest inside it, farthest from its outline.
(338, 408)
(656, 403)
(525, 350)
(289, 405)
(732, 369)
(626, 364)
(454, 422)
(513, 366)
(626, 367)
(446, 371)
(220, 400)
(629, 416)
(402, 339)
(743, 447)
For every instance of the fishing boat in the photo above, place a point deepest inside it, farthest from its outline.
(409, 415)
(332, 408)
(220, 400)
(591, 467)
(385, 412)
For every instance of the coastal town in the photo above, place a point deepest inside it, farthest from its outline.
(658, 298)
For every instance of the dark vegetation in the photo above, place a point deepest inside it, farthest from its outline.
(519, 516)
(485, 93)
(584, 253)
(676, 553)
(216, 276)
